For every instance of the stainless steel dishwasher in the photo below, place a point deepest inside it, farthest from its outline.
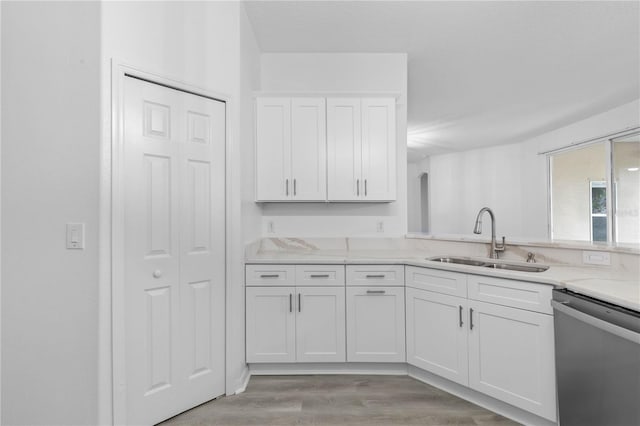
(597, 348)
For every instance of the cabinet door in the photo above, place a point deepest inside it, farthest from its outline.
(273, 149)
(437, 334)
(270, 324)
(511, 357)
(344, 149)
(375, 324)
(320, 324)
(379, 149)
(308, 149)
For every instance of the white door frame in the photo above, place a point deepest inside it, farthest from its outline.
(111, 361)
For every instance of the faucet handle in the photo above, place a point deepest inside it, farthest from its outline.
(531, 257)
(500, 247)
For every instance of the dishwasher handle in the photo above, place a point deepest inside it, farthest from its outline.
(603, 325)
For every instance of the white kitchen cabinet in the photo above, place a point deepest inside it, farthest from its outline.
(289, 324)
(375, 324)
(320, 324)
(437, 334)
(506, 352)
(511, 356)
(270, 324)
(291, 148)
(361, 147)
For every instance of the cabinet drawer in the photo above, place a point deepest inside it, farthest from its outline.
(444, 282)
(516, 294)
(270, 275)
(320, 275)
(371, 275)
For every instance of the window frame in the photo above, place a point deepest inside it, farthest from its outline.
(611, 200)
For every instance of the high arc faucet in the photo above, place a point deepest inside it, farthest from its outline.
(477, 229)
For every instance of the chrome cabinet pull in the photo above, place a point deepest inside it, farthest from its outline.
(470, 318)
(299, 303)
(269, 275)
(365, 187)
(375, 291)
(358, 187)
(287, 181)
(290, 302)
(460, 314)
(319, 275)
(295, 191)
(375, 276)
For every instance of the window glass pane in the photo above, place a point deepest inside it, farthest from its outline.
(626, 173)
(572, 201)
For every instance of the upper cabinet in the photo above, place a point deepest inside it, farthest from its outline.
(291, 148)
(361, 146)
(341, 150)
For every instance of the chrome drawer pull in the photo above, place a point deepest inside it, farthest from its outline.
(460, 313)
(375, 291)
(299, 303)
(470, 318)
(319, 276)
(269, 275)
(290, 302)
(375, 276)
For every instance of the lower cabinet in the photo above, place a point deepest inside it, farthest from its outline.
(501, 351)
(511, 356)
(375, 324)
(437, 334)
(295, 324)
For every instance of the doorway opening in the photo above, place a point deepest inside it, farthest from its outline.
(424, 203)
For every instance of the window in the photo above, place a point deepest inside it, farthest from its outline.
(595, 190)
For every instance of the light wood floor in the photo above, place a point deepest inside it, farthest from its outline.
(338, 400)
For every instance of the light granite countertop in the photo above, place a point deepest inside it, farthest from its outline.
(619, 286)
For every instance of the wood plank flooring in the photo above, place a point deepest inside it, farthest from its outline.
(338, 400)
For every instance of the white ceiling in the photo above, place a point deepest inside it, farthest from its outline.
(480, 73)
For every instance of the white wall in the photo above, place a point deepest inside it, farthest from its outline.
(56, 76)
(344, 72)
(50, 175)
(511, 179)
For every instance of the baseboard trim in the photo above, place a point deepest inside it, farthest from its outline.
(244, 381)
(392, 369)
(485, 401)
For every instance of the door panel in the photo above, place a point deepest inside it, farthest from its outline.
(379, 148)
(308, 149)
(344, 162)
(270, 324)
(174, 174)
(273, 149)
(436, 334)
(511, 357)
(375, 324)
(320, 324)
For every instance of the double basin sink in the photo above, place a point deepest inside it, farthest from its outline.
(489, 264)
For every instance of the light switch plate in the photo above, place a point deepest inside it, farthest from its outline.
(75, 236)
(596, 258)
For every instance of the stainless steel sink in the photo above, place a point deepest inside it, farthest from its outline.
(458, 260)
(516, 267)
(489, 264)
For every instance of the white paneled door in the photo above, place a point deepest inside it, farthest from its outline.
(174, 239)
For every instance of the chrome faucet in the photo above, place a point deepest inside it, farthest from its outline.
(495, 247)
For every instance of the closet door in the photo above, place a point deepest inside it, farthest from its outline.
(344, 149)
(173, 299)
(273, 149)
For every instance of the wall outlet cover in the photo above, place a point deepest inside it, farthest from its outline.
(596, 258)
